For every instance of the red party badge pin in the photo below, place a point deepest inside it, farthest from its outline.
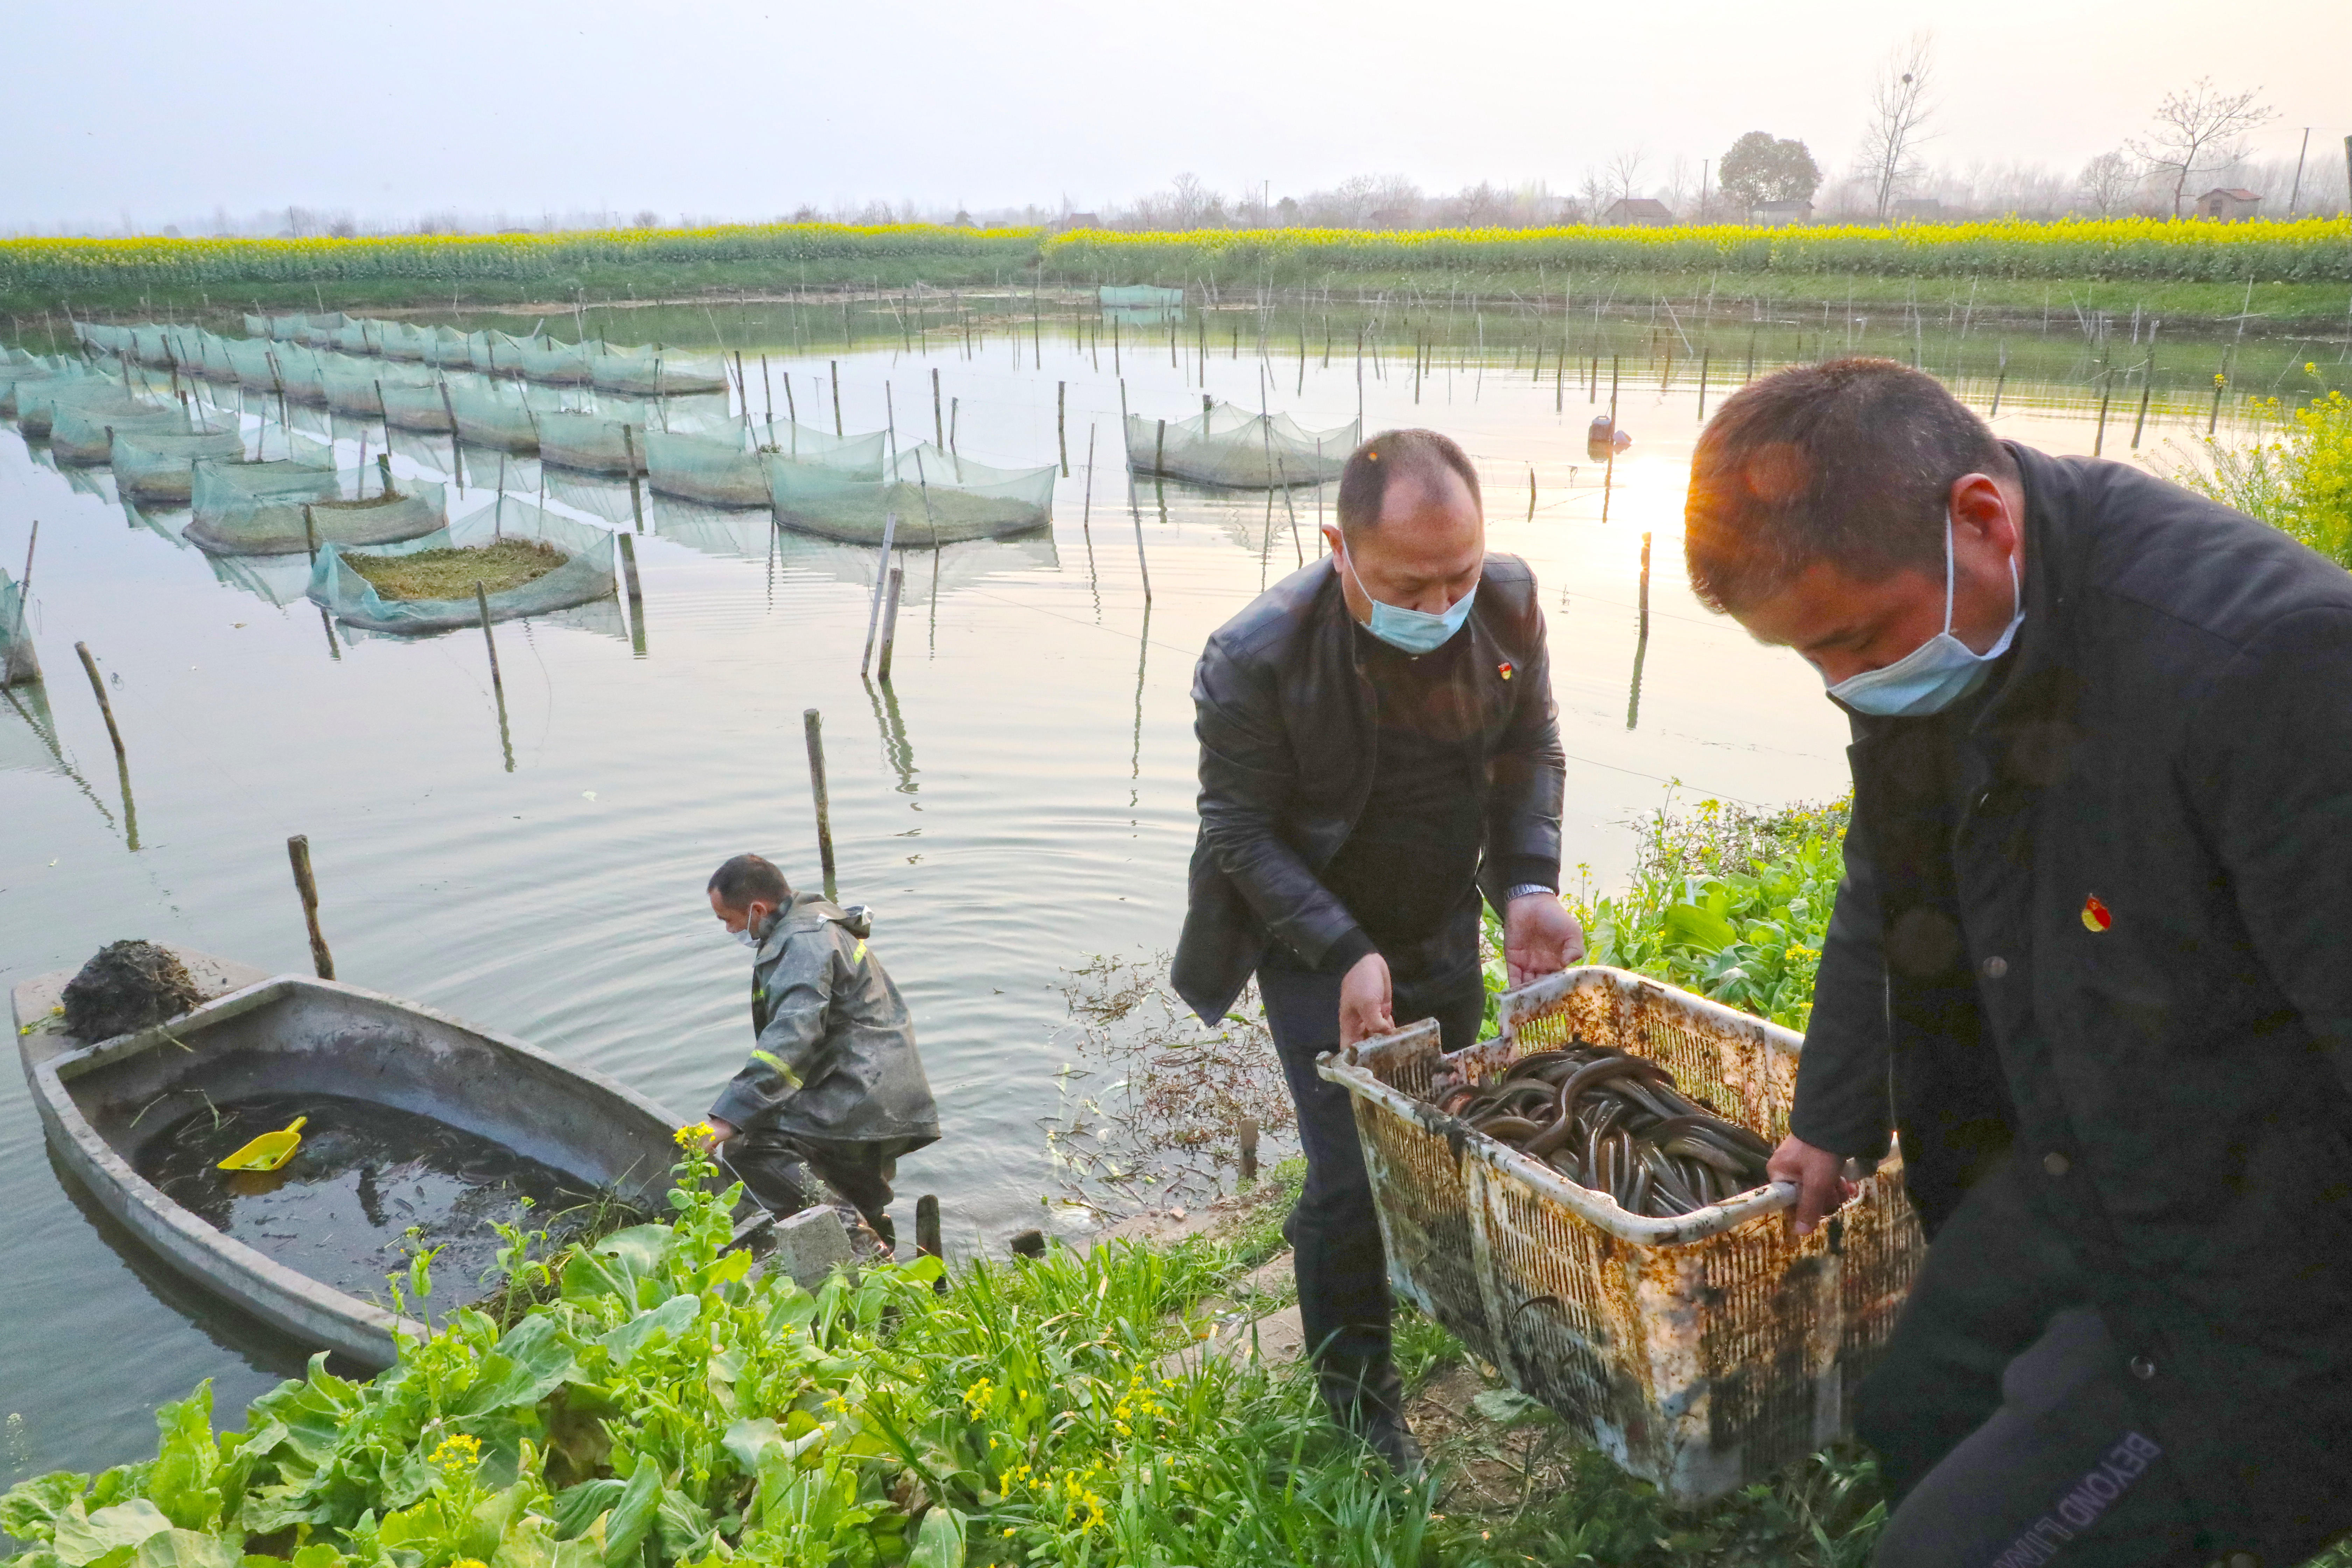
(1504, 669)
(2095, 916)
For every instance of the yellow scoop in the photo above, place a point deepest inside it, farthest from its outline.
(267, 1152)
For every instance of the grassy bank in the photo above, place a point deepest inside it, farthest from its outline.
(2299, 269)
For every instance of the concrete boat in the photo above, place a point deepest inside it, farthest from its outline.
(292, 1034)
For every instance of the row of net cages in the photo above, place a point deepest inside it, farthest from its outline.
(286, 351)
(295, 505)
(1231, 448)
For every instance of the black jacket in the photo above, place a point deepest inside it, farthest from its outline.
(1287, 721)
(2150, 988)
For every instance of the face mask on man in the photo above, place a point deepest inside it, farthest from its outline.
(750, 935)
(1939, 671)
(1412, 631)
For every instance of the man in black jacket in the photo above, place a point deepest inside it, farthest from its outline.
(1377, 746)
(2086, 965)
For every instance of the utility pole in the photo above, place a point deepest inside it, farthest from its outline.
(2297, 191)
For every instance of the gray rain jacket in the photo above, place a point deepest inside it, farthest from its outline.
(835, 1055)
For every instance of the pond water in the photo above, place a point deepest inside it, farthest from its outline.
(1018, 800)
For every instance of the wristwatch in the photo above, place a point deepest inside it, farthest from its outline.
(1523, 889)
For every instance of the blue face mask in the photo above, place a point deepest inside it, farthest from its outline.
(1413, 631)
(1939, 671)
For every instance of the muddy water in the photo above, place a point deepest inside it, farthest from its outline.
(369, 1187)
(1018, 800)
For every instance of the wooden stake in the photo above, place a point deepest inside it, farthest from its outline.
(2107, 391)
(310, 533)
(939, 424)
(1703, 357)
(874, 608)
(812, 729)
(2146, 387)
(768, 389)
(889, 625)
(297, 852)
(457, 457)
(498, 685)
(2220, 379)
(836, 365)
(105, 708)
(636, 497)
(926, 1225)
(636, 595)
(1248, 1138)
(1061, 417)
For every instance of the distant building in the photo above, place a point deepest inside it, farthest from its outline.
(1641, 211)
(2229, 203)
(1082, 220)
(1776, 213)
(1916, 209)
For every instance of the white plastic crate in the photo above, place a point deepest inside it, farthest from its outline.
(1702, 1352)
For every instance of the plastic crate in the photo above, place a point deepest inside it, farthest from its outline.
(1701, 1352)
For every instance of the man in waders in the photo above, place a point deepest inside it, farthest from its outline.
(2088, 965)
(834, 1092)
(1378, 748)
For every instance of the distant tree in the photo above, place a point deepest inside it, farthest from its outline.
(649, 218)
(1759, 169)
(2108, 181)
(1900, 111)
(1286, 212)
(2198, 129)
(1624, 170)
(1592, 193)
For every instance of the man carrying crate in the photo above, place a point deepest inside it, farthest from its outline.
(2087, 964)
(1378, 748)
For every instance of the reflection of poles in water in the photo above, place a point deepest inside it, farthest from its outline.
(334, 648)
(1609, 473)
(47, 734)
(1641, 640)
(1086, 525)
(1135, 759)
(812, 731)
(121, 758)
(924, 484)
(1135, 510)
(498, 682)
(897, 749)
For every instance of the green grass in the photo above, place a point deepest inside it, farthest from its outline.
(452, 574)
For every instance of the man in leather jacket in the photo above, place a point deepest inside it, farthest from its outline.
(834, 1092)
(1378, 747)
(2087, 964)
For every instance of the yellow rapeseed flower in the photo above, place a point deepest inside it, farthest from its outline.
(693, 1134)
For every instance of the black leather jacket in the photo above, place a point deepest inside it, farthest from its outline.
(1287, 720)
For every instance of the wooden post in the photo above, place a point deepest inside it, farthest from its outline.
(1703, 357)
(2221, 380)
(1531, 492)
(882, 574)
(105, 708)
(2147, 388)
(2107, 391)
(939, 422)
(1248, 1139)
(1159, 451)
(1998, 382)
(498, 685)
(310, 533)
(889, 625)
(835, 366)
(1061, 418)
(926, 1225)
(297, 852)
(636, 595)
(768, 388)
(636, 496)
(456, 457)
(1139, 559)
(813, 728)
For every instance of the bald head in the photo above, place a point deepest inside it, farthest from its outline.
(1411, 532)
(1431, 466)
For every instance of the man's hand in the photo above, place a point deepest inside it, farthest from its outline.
(1820, 1176)
(1540, 938)
(720, 1132)
(1365, 1000)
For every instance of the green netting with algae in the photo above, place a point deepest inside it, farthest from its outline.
(1228, 446)
(585, 576)
(17, 664)
(157, 467)
(938, 498)
(87, 435)
(722, 469)
(259, 509)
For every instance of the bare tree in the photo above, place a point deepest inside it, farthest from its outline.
(1625, 169)
(1900, 110)
(2197, 128)
(1592, 192)
(2108, 181)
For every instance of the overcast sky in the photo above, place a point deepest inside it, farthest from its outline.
(155, 112)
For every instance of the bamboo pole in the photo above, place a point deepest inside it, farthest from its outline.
(636, 595)
(105, 708)
(310, 534)
(1061, 419)
(1704, 355)
(2222, 379)
(636, 496)
(2146, 387)
(874, 610)
(835, 366)
(890, 625)
(813, 730)
(498, 683)
(2106, 392)
(298, 854)
(457, 457)
(939, 422)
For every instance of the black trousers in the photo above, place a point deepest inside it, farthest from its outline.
(2002, 1414)
(787, 1172)
(1342, 1270)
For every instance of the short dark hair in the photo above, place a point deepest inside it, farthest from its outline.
(747, 876)
(1364, 482)
(1850, 460)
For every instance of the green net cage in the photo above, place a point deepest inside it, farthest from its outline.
(354, 385)
(37, 401)
(553, 363)
(87, 435)
(17, 662)
(156, 468)
(726, 469)
(652, 371)
(585, 574)
(279, 506)
(417, 407)
(500, 415)
(1229, 446)
(938, 498)
(591, 443)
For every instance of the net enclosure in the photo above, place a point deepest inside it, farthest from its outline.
(157, 467)
(652, 372)
(17, 664)
(591, 443)
(87, 435)
(1138, 296)
(938, 498)
(584, 574)
(726, 469)
(1227, 445)
(38, 401)
(277, 508)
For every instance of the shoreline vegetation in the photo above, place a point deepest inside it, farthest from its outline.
(2273, 273)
